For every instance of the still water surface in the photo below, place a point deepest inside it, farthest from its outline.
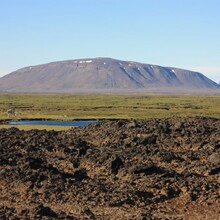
(52, 122)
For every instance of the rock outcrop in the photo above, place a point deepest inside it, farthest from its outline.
(122, 169)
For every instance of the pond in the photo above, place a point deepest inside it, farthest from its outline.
(52, 122)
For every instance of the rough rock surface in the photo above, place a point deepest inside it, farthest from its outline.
(124, 169)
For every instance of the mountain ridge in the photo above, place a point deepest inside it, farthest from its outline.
(101, 75)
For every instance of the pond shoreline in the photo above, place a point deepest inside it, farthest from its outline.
(51, 122)
(3, 121)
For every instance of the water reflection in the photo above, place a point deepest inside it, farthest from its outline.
(53, 122)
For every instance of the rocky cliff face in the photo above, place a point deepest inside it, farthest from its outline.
(103, 75)
(122, 169)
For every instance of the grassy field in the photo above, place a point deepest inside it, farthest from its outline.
(39, 127)
(69, 107)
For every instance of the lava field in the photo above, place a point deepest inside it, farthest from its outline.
(121, 169)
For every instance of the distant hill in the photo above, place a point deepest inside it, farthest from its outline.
(104, 75)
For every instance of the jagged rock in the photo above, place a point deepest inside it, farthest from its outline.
(116, 164)
(131, 125)
(148, 169)
(215, 158)
(35, 163)
(79, 175)
(150, 139)
(144, 195)
(87, 211)
(45, 211)
(121, 169)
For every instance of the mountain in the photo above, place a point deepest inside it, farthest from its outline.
(104, 75)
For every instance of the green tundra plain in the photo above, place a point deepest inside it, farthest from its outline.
(70, 107)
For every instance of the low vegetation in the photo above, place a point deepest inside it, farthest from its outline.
(39, 127)
(69, 107)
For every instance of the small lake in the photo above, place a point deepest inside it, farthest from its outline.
(53, 122)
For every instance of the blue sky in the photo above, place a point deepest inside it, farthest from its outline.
(177, 33)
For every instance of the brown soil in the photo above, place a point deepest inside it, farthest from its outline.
(124, 169)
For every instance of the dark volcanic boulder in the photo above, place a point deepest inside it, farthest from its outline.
(45, 211)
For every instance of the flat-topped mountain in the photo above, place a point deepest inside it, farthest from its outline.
(101, 75)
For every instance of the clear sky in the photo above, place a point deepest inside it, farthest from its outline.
(177, 33)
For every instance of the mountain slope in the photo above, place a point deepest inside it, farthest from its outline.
(103, 75)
